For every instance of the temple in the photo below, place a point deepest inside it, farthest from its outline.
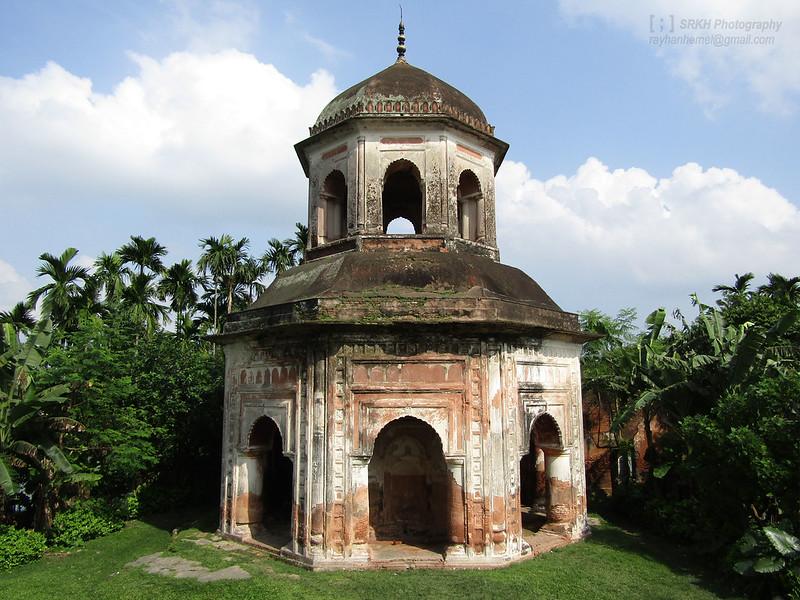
(402, 398)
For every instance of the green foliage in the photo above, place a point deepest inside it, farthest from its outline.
(96, 362)
(770, 557)
(83, 522)
(725, 391)
(19, 546)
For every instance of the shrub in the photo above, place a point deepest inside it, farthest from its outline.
(83, 522)
(19, 546)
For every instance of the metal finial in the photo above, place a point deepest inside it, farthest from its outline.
(401, 39)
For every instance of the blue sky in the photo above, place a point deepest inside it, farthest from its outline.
(636, 175)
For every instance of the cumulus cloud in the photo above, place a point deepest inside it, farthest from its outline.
(716, 71)
(599, 229)
(13, 286)
(196, 131)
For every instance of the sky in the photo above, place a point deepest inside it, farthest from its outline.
(654, 145)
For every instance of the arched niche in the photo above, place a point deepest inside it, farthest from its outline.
(545, 482)
(332, 208)
(410, 486)
(267, 494)
(470, 207)
(402, 194)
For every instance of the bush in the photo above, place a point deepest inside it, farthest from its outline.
(19, 546)
(84, 522)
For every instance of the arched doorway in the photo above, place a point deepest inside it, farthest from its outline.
(266, 445)
(402, 194)
(409, 485)
(535, 468)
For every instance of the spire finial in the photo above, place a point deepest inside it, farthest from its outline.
(401, 39)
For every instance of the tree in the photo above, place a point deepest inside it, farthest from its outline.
(143, 253)
(62, 297)
(139, 300)
(278, 257)
(178, 284)
(251, 272)
(223, 259)
(298, 245)
(98, 364)
(111, 273)
(782, 288)
(737, 291)
(28, 423)
(18, 320)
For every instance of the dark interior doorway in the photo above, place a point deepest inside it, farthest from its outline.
(277, 471)
(409, 485)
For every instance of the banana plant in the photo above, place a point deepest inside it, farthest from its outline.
(26, 423)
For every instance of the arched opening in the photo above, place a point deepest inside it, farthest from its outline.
(400, 226)
(470, 201)
(402, 194)
(266, 445)
(409, 485)
(332, 215)
(536, 472)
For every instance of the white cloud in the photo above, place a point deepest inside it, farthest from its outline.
(770, 71)
(13, 286)
(192, 132)
(657, 240)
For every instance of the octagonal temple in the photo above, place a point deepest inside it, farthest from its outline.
(402, 398)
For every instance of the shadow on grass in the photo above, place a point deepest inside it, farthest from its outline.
(681, 560)
(203, 518)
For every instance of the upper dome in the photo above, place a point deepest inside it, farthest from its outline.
(402, 90)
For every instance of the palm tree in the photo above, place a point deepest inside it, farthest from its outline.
(111, 273)
(178, 284)
(278, 257)
(139, 298)
(235, 275)
(20, 317)
(18, 320)
(63, 295)
(250, 274)
(731, 294)
(144, 253)
(223, 258)
(298, 245)
(782, 288)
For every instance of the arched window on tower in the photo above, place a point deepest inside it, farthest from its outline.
(470, 207)
(402, 194)
(332, 209)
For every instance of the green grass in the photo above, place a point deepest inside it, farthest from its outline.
(612, 563)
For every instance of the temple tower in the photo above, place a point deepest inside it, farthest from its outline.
(402, 390)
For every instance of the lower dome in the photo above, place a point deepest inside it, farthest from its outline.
(383, 287)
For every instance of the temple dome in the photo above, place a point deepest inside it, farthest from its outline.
(402, 90)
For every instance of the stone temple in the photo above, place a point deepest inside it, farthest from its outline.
(402, 399)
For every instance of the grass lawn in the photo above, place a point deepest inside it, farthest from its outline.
(613, 563)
